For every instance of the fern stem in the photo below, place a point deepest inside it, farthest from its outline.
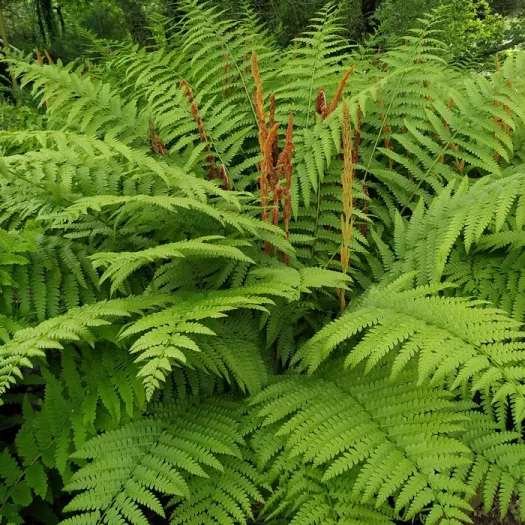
(24, 472)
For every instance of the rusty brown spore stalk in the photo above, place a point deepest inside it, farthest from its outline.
(347, 180)
(321, 104)
(155, 143)
(214, 172)
(284, 165)
(273, 165)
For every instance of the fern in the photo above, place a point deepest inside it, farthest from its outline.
(360, 432)
(244, 283)
(456, 342)
(130, 465)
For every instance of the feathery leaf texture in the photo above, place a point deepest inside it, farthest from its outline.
(166, 354)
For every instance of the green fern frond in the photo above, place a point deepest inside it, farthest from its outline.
(379, 438)
(128, 467)
(457, 342)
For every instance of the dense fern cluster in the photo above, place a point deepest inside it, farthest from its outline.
(240, 282)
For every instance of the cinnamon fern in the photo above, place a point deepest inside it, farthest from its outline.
(243, 284)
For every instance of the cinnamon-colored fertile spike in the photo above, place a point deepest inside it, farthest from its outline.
(213, 171)
(271, 122)
(39, 57)
(270, 144)
(340, 89)
(49, 59)
(278, 194)
(155, 142)
(267, 141)
(285, 158)
(347, 179)
(194, 112)
(224, 177)
(187, 90)
(321, 106)
(267, 170)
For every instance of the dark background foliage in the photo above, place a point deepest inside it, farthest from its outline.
(63, 27)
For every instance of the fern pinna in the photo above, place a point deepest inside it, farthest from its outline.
(245, 283)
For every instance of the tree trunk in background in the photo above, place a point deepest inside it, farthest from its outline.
(60, 18)
(48, 19)
(137, 22)
(40, 21)
(3, 34)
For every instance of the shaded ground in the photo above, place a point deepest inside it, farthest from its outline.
(494, 518)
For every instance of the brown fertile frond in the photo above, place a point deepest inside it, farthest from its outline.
(271, 142)
(340, 89)
(284, 164)
(267, 177)
(39, 57)
(321, 106)
(347, 180)
(267, 169)
(271, 122)
(225, 180)
(348, 170)
(187, 90)
(213, 171)
(49, 59)
(194, 112)
(155, 142)
(278, 194)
